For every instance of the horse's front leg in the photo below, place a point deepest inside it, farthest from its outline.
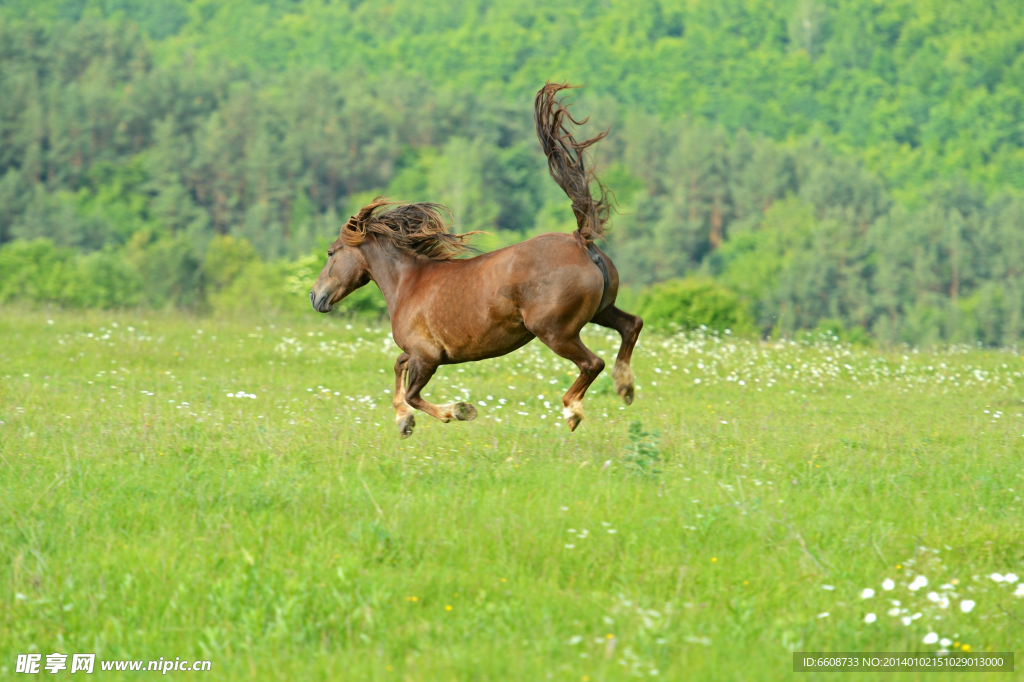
(420, 371)
(403, 412)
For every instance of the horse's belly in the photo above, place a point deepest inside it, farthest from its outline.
(480, 343)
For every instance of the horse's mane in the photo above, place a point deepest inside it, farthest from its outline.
(424, 229)
(568, 162)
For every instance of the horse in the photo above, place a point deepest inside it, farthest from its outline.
(446, 309)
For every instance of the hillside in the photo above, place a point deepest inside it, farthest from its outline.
(867, 156)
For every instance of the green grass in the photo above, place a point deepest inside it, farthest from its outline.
(294, 536)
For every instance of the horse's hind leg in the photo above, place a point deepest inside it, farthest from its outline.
(420, 372)
(628, 326)
(403, 412)
(589, 365)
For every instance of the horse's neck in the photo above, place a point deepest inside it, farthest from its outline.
(389, 265)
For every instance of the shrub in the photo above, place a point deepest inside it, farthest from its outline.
(106, 280)
(832, 329)
(171, 269)
(259, 287)
(986, 316)
(158, 271)
(691, 303)
(226, 258)
(36, 271)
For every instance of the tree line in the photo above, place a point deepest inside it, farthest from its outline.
(135, 143)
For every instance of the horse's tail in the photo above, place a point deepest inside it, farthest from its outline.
(568, 162)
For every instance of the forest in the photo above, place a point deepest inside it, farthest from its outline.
(843, 164)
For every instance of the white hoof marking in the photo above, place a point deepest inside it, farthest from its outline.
(573, 414)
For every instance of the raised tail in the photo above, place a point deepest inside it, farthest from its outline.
(568, 162)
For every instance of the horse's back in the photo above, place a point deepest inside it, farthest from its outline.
(562, 254)
(553, 273)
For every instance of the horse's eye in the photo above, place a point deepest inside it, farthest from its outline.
(330, 253)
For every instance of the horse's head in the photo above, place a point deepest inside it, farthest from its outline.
(346, 270)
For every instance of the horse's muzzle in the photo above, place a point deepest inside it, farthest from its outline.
(319, 304)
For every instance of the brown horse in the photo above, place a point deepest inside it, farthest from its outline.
(447, 310)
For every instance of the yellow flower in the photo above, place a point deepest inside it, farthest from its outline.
(609, 636)
(714, 558)
(965, 647)
(448, 608)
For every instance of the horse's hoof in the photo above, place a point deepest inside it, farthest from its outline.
(464, 412)
(622, 374)
(405, 426)
(573, 415)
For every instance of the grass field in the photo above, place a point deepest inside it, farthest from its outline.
(236, 491)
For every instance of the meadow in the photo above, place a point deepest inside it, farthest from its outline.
(235, 490)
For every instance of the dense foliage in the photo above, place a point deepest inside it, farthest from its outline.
(838, 160)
